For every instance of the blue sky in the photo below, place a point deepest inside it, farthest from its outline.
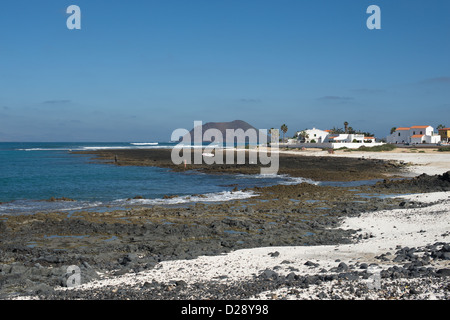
(137, 70)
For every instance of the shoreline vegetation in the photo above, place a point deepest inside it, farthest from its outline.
(384, 147)
(301, 241)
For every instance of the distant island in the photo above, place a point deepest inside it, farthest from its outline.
(223, 127)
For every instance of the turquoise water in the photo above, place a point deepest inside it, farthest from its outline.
(32, 172)
(40, 171)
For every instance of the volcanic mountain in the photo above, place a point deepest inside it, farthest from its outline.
(223, 127)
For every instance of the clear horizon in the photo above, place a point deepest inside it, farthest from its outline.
(136, 72)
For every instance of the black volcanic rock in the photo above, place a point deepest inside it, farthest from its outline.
(421, 183)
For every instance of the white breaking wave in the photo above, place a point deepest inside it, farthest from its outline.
(105, 148)
(72, 149)
(127, 148)
(44, 149)
(33, 206)
(208, 197)
(286, 179)
(185, 146)
(262, 176)
(144, 143)
(134, 145)
(298, 180)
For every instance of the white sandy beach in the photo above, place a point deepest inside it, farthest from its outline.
(383, 232)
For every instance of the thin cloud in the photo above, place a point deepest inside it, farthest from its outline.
(57, 101)
(369, 91)
(336, 98)
(250, 100)
(437, 80)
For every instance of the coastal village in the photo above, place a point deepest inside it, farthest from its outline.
(416, 135)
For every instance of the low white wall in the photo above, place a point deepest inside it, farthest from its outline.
(307, 145)
(350, 145)
(355, 145)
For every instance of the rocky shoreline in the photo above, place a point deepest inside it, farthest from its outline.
(414, 279)
(36, 250)
(320, 168)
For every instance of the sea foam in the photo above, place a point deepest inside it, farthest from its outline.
(144, 143)
(208, 197)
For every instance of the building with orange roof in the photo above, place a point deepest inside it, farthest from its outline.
(417, 138)
(414, 135)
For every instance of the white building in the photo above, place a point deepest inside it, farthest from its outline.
(400, 135)
(313, 135)
(349, 138)
(414, 135)
(316, 138)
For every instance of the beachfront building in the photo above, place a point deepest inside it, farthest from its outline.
(312, 135)
(444, 133)
(414, 135)
(349, 138)
(316, 138)
(400, 135)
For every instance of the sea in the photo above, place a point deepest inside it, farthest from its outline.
(33, 173)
